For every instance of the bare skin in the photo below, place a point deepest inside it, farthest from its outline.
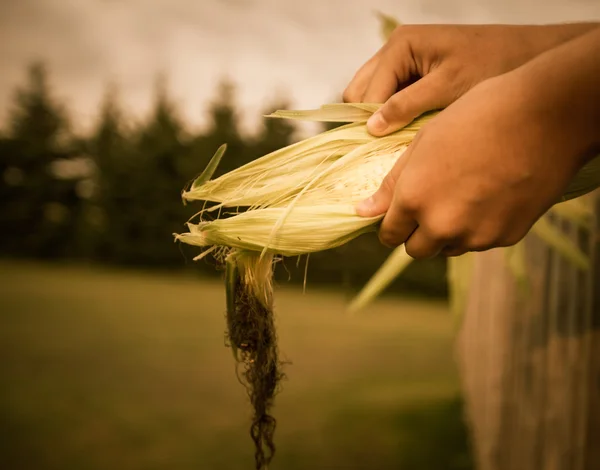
(517, 127)
(427, 67)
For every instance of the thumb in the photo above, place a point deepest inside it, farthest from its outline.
(380, 201)
(426, 94)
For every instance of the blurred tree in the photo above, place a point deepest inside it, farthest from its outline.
(161, 146)
(40, 177)
(109, 217)
(224, 128)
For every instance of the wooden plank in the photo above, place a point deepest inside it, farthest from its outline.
(592, 400)
(530, 366)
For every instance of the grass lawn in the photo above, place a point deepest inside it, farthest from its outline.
(106, 369)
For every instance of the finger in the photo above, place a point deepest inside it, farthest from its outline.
(420, 245)
(395, 67)
(429, 93)
(380, 201)
(451, 251)
(400, 219)
(357, 86)
(397, 225)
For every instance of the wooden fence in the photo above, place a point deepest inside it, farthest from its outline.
(530, 364)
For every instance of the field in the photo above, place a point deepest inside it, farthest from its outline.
(106, 369)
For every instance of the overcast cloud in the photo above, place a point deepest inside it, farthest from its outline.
(303, 49)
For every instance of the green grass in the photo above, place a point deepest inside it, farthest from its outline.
(106, 369)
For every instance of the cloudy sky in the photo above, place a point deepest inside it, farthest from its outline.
(304, 49)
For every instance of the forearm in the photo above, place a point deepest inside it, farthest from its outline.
(533, 40)
(561, 90)
(545, 37)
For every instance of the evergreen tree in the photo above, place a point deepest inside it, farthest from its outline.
(40, 207)
(162, 147)
(110, 212)
(224, 128)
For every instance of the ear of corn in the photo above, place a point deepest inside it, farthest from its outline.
(301, 198)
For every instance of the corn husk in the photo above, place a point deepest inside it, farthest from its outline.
(300, 199)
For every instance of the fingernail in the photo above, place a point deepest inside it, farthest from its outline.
(377, 123)
(365, 207)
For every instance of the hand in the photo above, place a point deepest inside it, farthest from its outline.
(428, 67)
(478, 175)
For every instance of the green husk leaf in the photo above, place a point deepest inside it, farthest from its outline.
(387, 25)
(517, 265)
(210, 168)
(586, 180)
(370, 107)
(578, 211)
(561, 243)
(337, 112)
(385, 275)
(459, 279)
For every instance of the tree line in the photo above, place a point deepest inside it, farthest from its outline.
(113, 196)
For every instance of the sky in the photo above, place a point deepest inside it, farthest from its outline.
(304, 50)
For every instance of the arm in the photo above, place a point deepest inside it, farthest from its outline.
(564, 89)
(481, 173)
(446, 61)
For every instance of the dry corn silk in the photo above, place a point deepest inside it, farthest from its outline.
(295, 201)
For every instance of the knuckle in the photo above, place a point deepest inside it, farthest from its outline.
(482, 243)
(350, 95)
(495, 239)
(454, 251)
(444, 232)
(389, 238)
(417, 251)
(412, 252)
(511, 239)
(446, 225)
(402, 108)
(397, 107)
(458, 78)
(409, 198)
(403, 30)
